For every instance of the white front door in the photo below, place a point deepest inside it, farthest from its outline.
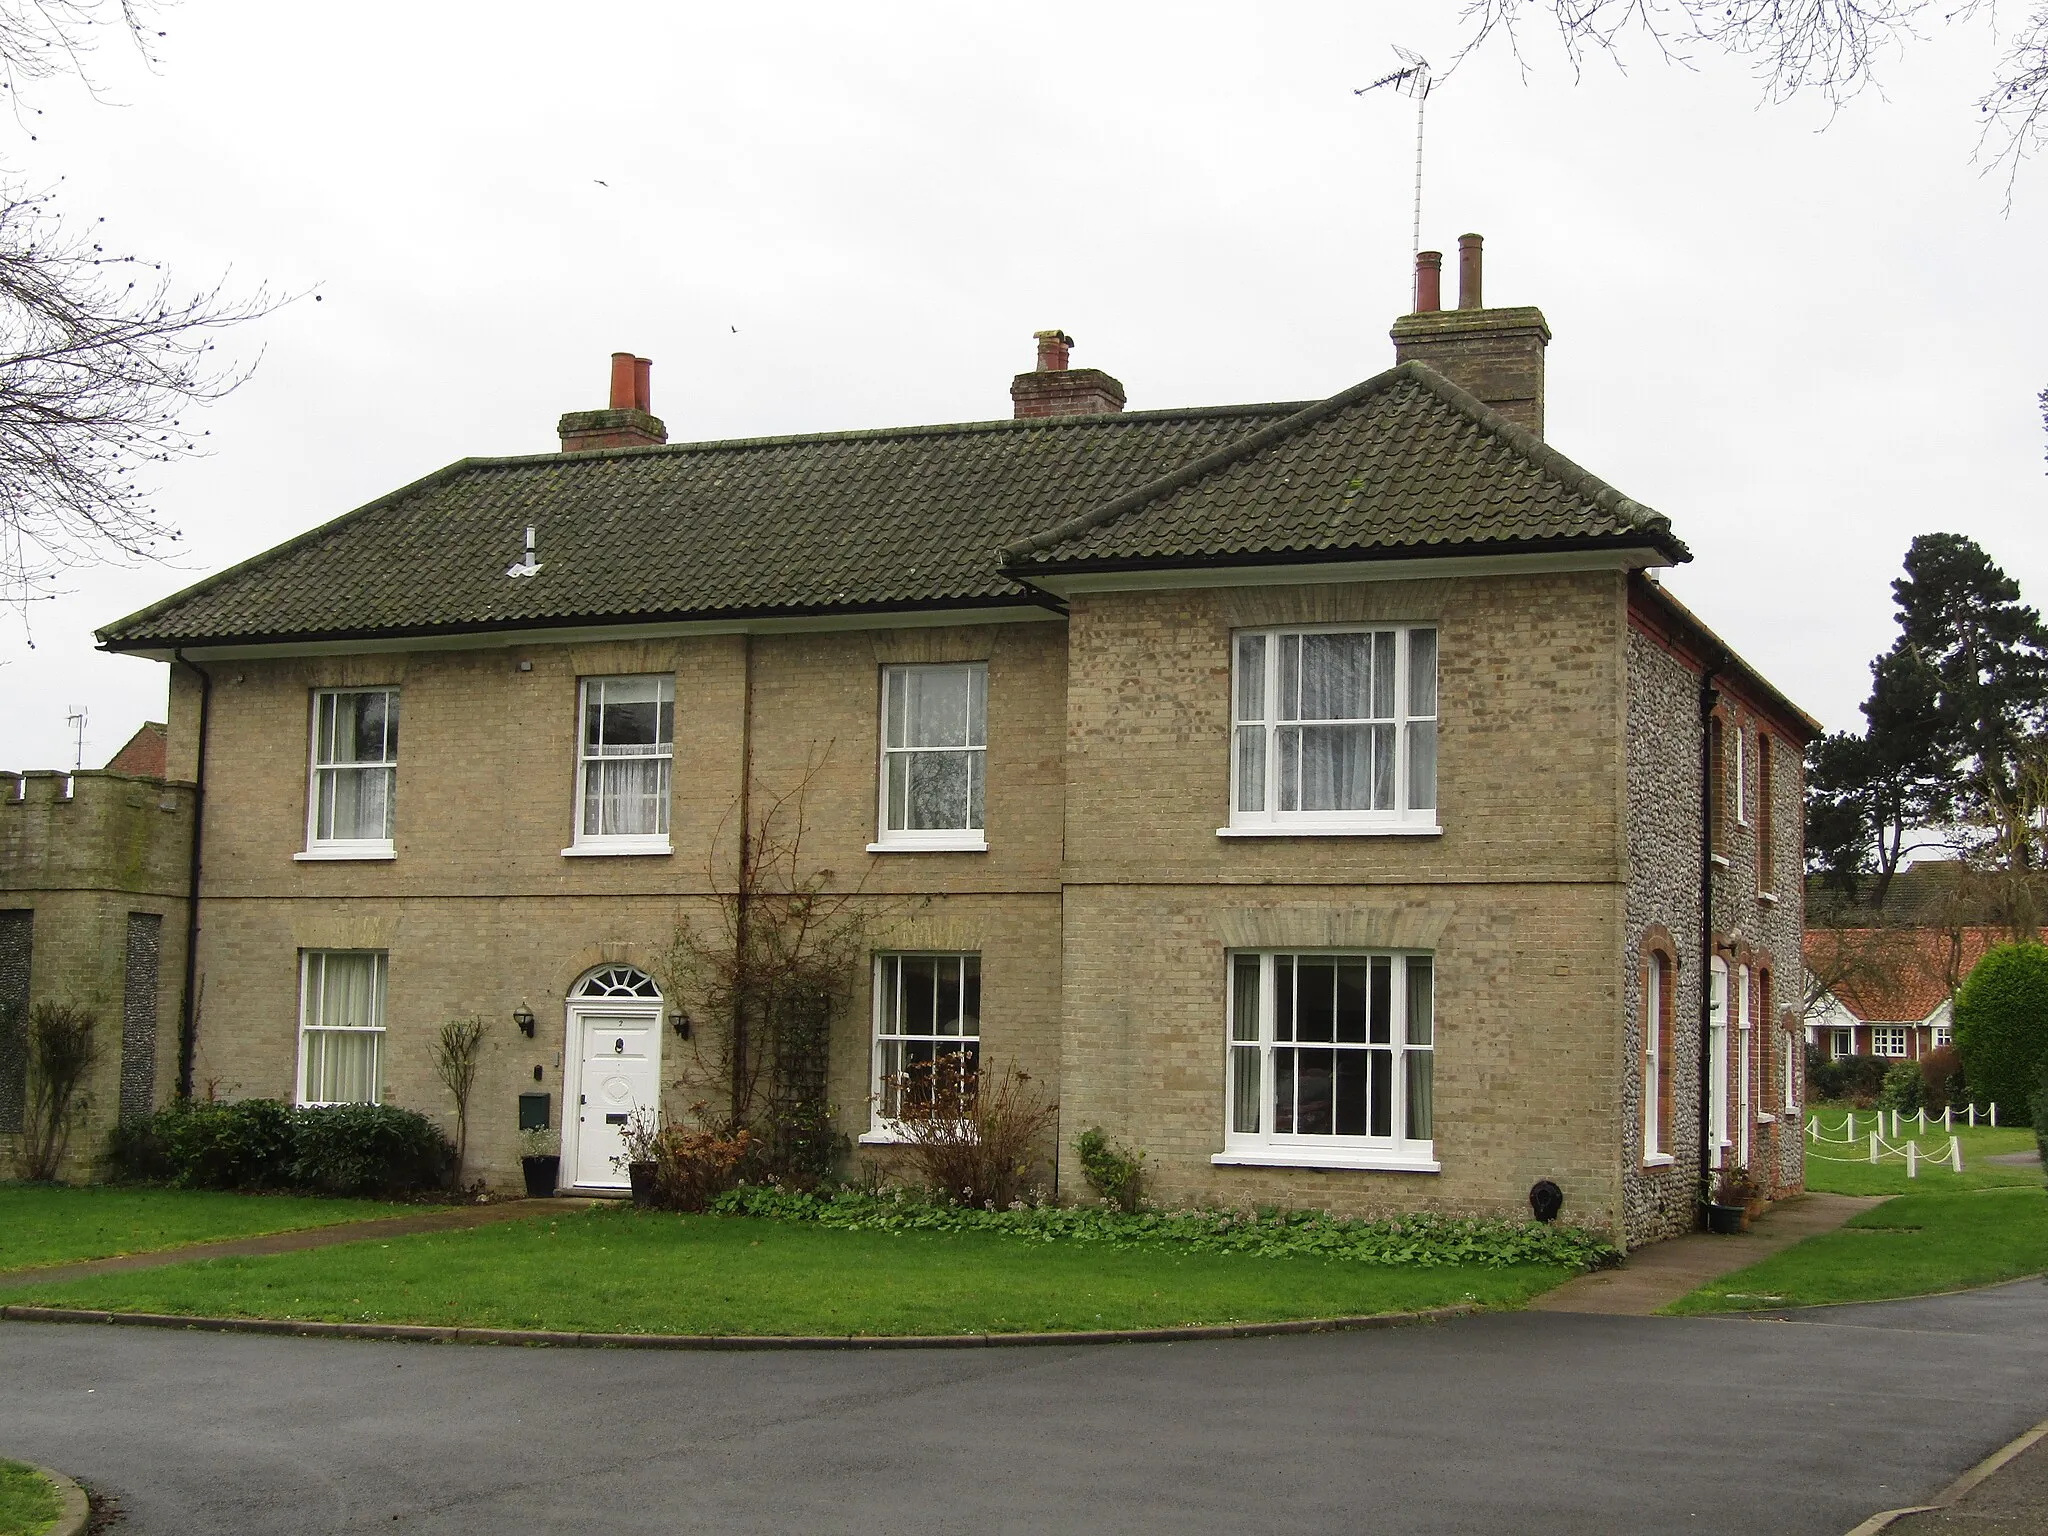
(618, 1072)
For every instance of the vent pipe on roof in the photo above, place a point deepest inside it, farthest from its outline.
(628, 422)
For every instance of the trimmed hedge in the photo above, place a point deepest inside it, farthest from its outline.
(1421, 1240)
(2002, 1027)
(1858, 1079)
(341, 1149)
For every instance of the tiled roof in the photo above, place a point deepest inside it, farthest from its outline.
(1896, 975)
(1405, 462)
(909, 518)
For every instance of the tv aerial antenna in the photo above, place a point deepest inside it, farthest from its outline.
(76, 720)
(1412, 79)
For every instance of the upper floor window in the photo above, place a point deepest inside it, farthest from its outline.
(1335, 731)
(341, 1026)
(1331, 1061)
(1739, 783)
(625, 750)
(934, 756)
(1766, 818)
(354, 791)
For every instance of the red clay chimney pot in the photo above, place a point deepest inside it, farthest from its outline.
(1468, 272)
(1429, 281)
(643, 384)
(1053, 347)
(623, 392)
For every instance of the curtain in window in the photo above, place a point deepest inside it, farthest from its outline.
(343, 1066)
(935, 740)
(628, 745)
(1244, 1047)
(343, 1038)
(1421, 1053)
(355, 758)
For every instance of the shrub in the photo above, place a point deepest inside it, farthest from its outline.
(1941, 1079)
(1420, 1240)
(367, 1149)
(694, 1167)
(458, 1051)
(2041, 1117)
(971, 1143)
(1113, 1172)
(1902, 1087)
(1857, 1080)
(61, 1055)
(2002, 1025)
(341, 1149)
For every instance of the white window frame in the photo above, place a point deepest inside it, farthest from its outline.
(1841, 1042)
(1886, 1035)
(969, 839)
(882, 1130)
(1944, 1036)
(321, 775)
(1745, 1063)
(1795, 1069)
(611, 845)
(1654, 1066)
(1741, 796)
(1717, 1060)
(312, 997)
(1268, 1148)
(1270, 821)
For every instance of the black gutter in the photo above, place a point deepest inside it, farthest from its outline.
(188, 1012)
(1709, 697)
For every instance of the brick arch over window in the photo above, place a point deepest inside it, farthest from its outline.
(1658, 990)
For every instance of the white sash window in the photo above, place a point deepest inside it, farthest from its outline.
(341, 1026)
(625, 753)
(352, 805)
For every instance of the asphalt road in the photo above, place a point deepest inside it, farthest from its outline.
(1524, 1422)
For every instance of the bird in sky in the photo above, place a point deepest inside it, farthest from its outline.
(601, 182)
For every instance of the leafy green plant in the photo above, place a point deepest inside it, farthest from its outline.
(2001, 1025)
(1903, 1087)
(61, 1055)
(458, 1051)
(2041, 1116)
(540, 1141)
(1941, 1080)
(1421, 1240)
(246, 1144)
(367, 1149)
(338, 1149)
(1114, 1172)
(692, 1167)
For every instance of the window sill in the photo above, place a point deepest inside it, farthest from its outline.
(1719, 860)
(1659, 1160)
(1332, 829)
(1766, 898)
(327, 853)
(882, 1136)
(966, 842)
(1764, 1117)
(621, 848)
(1326, 1157)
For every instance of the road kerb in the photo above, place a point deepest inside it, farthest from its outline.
(74, 1510)
(424, 1333)
(1956, 1490)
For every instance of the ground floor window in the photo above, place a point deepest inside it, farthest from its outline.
(341, 1026)
(1944, 1036)
(1332, 1052)
(1841, 1042)
(1888, 1040)
(927, 1031)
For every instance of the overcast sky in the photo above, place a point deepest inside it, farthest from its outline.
(1805, 346)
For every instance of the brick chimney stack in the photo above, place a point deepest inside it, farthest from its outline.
(628, 422)
(1494, 354)
(1054, 389)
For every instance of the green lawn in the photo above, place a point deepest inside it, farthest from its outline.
(1914, 1245)
(612, 1271)
(57, 1224)
(28, 1504)
(1826, 1172)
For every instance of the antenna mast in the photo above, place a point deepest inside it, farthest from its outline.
(1412, 79)
(76, 720)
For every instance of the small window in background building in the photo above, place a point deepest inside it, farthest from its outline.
(1888, 1040)
(1843, 1044)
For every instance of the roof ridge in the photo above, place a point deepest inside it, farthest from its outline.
(1524, 442)
(867, 434)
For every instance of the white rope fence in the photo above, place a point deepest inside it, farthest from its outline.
(1908, 1151)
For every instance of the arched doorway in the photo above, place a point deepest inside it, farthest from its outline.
(611, 1068)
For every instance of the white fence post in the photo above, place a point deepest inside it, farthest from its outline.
(1973, 1114)
(1994, 1115)
(1873, 1146)
(1912, 1159)
(1895, 1125)
(1955, 1153)
(1923, 1119)
(1945, 1114)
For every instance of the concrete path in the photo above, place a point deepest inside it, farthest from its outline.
(2012, 1501)
(1657, 1275)
(2015, 1159)
(435, 1219)
(1539, 1424)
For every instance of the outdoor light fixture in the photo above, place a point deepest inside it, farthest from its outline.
(523, 1017)
(680, 1023)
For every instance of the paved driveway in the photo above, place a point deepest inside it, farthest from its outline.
(1525, 1422)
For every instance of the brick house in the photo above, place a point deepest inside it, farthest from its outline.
(1891, 991)
(1323, 796)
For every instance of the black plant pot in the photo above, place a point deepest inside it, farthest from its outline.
(642, 1175)
(540, 1175)
(1725, 1219)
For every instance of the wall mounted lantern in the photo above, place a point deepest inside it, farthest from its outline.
(680, 1023)
(523, 1017)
